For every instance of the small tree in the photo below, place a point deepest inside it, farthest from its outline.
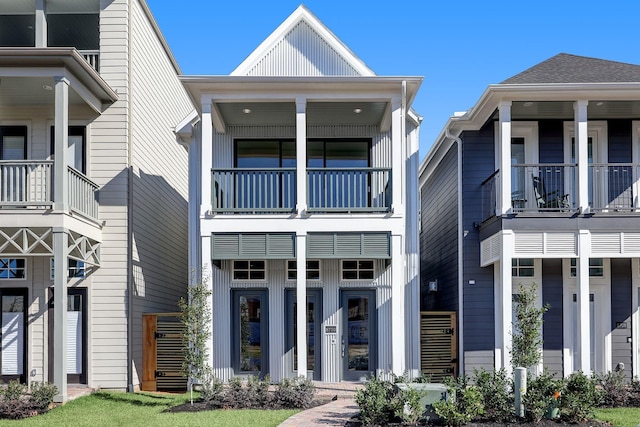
(527, 335)
(196, 318)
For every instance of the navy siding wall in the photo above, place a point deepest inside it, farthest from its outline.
(621, 313)
(439, 235)
(619, 141)
(477, 164)
(552, 326)
(550, 141)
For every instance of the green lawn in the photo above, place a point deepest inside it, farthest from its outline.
(620, 417)
(124, 409)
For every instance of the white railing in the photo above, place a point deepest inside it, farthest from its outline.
(83, 194)
(92, 57)
(26, 183)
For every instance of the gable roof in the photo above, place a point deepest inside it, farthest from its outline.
(302, 46)
(566, 68)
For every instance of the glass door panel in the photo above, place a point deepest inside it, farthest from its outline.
(313, 314)
(249, 332)
(359, 334)
(13, 351)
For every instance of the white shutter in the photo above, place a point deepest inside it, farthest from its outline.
(12, 343)
(74, 342)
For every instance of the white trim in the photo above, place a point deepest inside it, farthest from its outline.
(249, 270)
(358, 270)
(635, 316)
(635, 150)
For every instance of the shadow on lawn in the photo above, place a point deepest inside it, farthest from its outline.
(135, 399)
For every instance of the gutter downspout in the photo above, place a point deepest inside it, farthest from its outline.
(460, 255)
(129, 213)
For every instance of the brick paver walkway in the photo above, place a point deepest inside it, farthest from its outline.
(335, 413)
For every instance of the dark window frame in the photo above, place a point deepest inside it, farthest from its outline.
(72, 131)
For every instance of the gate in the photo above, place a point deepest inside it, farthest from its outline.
(438, 344)
(162, 352)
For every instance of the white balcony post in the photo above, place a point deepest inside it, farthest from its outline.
(503, 289)
(206, 142)
(582, 154)
(60, 265)
(398, 286)
(503, 152)
(582, 299)
(301, 302)
(61, 122)
(301, 155)
(41, 23)
(397, 160)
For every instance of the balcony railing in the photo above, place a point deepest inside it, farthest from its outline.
(92, 57)
(29, 183)
(613, 187)
(241, 190)
(349, 189)
(490, 195)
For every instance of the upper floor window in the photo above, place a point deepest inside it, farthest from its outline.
(313, 270)
(256, 154)
(362, 269)
(18, 30)
(79, 30)
(12, 268)
(13, 142)
(338, 153)
(76, 152)
(522, 267)
(250, 270)
(596, 267)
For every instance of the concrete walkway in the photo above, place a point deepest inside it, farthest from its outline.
(335, 413)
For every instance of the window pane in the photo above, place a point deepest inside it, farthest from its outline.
(17, 30)
(241, 265)
(292, 274)
(257, 154)
(347, 154)
(13, 147)
(241, 275)
(288, 154)
(366, 275)
(313, 275)
(313, 265)
(349, 275)
(365, 265)
(526, 262)
(349, 265)
(526, 272)
(79, 30)
(257, 274)
(315, 154)
(256, 265)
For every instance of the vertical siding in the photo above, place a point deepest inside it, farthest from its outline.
(619, 141)
(552, 283)
(302, 52)
(621, 310)
(479, 327)
(551, 141)
(160, 178)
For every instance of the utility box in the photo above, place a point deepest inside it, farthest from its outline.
(430, 393)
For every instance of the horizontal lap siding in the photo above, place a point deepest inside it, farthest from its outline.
(479, 328)
(621, 310)
(160, 179)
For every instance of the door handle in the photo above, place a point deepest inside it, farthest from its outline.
(343, 347)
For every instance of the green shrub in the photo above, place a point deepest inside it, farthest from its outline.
(212, 388)
(16, 409)
(41, 395)
(496, 389)
(579, 398)
(409, 409)
(293, 393)
(464, 404)
(617, 391)
(257, 391)
(377, 401)
(14, 390)
(543, 392)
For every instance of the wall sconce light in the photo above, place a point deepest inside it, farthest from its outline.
(433, 286)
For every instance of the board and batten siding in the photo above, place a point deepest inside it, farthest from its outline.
(159, 234)
(479, 324)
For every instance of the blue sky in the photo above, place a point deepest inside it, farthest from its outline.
(459, 47)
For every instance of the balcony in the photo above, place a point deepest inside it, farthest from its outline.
(92, 57)
(29, 184)
(613, 187)
(329, 190)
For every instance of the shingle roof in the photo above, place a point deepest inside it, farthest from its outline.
(565, 68)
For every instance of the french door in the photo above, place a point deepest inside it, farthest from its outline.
(13, 354)
(76, 336)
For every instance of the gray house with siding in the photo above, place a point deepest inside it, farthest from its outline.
(93, 188)
(538, 184)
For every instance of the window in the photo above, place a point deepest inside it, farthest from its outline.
(13, 142)
(313, 270)
(75, 268)
(18, 30)
(80, 30)
(338, 154)
(12, 268)
(77, 147)
(265, 154)
(249, 270)
(522, 267)
(596, 267)
(357, 269)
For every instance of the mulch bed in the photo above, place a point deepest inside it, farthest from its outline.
(199, 405)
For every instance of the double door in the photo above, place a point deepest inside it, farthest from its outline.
(75, 338)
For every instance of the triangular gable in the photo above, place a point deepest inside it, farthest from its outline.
(302, 46)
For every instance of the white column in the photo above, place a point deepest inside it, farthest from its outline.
(60, 265)
(301, 156)
(61, 122)
(194, 209)
(301, 302)
(504, 310)
(504, 156)
(206, 142)
(582, 154)
(582, 299)
(397, 305)
(41, 23)
(397, 141)
(206, 275)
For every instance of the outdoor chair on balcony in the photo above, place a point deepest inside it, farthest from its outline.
(550, 200)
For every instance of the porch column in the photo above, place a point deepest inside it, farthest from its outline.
(301, 159)
(503, 301)
(503, 156)
(398, 324)
(397, 161)
(61, 122)
(582, 299)
(301, 302)
(41, 23)
(582, 154)
(60, 266)
(206, 142)
(206, 275)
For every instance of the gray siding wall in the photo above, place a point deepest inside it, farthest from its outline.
(550, 141)
(619, 141)
(552, 283)
(479, 328)
(621, 314)
(160, 179)
(439, 235)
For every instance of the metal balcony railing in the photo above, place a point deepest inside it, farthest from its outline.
(489, 191)
(613, 187)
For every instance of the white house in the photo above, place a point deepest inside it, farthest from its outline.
(302, 156)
